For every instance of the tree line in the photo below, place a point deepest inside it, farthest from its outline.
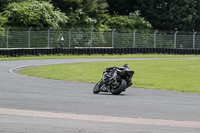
(182, 15)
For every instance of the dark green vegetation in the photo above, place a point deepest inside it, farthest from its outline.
(182, 15)
(65, 13)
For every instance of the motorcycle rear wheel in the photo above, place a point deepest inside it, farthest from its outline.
(120, 88)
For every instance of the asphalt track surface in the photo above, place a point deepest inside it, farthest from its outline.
(37, 105)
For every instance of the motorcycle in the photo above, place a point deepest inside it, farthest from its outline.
(114, 80)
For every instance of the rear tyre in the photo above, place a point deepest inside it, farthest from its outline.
(120, 88)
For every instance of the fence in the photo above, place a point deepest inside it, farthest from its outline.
(32, 37)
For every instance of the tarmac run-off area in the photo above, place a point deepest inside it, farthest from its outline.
(30, 105)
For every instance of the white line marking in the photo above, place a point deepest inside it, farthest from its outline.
(98, 118)
(12, 69)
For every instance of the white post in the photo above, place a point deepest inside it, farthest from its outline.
(113, 37)
(134, 38)
(70, 32)
(155, 38)
(49, 36)
(29, 38)
(91, 36)
(7, 37)
(194, 39)
(175, 39)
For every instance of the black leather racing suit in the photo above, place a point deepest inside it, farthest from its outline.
(128, 76)
(122, 71)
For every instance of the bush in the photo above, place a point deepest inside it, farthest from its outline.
(34, 13)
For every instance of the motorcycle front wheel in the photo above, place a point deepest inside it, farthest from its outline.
(96, 88)
(120, 88)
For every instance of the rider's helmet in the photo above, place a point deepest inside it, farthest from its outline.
(126, 66)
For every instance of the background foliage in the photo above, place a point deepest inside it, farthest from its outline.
(66, 13)
(34, 13)
(179, 15)
(182, 15)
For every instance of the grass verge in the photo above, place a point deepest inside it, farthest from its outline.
(4, 58)
(171, 74)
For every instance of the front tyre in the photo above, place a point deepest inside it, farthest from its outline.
(96, 88)
(120, 88)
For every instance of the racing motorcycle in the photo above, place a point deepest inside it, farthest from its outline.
(115, 80)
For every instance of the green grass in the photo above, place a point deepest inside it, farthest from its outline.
(5, 58)
(171, 74)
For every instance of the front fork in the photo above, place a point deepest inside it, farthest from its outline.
(103, 87)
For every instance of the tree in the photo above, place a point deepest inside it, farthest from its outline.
(170, 14)
(162, 14)
(87, 6)
(79, 19)
(34, 13)
(2, 22)
(2, 33)
(92, 10)
(4, 3)
(197, 16)
(133, 21)
(122, 7)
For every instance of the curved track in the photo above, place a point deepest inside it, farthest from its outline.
(29, 104)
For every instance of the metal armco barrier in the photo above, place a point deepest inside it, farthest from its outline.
(90, 51)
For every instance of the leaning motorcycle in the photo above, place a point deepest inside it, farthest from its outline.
(115, 80)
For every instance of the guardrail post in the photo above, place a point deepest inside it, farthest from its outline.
(7, 36)
(194, 39)
(175, 39)
(113, 37)
(49, 36)
(70, 32)
(29, 38)
(155, 38)
(91, 36)
(134, 38)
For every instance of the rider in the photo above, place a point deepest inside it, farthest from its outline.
(125, 68)
(121, 71)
